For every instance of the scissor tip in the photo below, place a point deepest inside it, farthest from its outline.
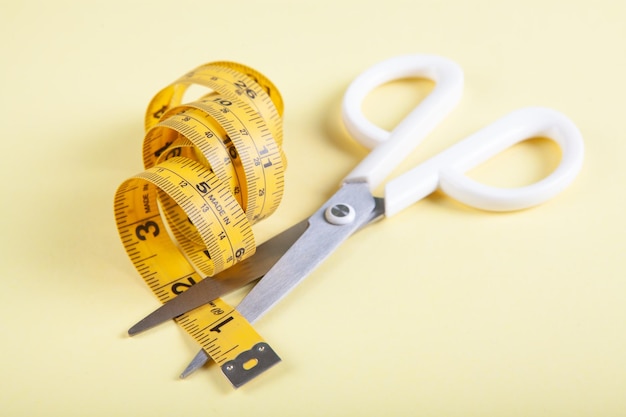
(140, 326)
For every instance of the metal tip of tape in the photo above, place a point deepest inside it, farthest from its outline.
(250, 364)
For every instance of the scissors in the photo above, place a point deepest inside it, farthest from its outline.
(285, 260)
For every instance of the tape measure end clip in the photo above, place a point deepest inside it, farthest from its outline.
(249, 364)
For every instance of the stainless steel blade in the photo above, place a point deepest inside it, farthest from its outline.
(242, 273)
(202, 357)
(314, 246)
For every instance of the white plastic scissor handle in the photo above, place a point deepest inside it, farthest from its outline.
(447, 170)
(390, 148)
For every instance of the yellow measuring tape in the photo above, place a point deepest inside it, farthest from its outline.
(213, 167)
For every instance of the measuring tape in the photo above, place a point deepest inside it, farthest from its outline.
(213, 168)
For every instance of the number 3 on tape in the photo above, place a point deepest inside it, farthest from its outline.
(189, 214)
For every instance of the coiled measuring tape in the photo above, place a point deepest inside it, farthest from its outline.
(213, 167)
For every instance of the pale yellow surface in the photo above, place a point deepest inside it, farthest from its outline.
(439, 311)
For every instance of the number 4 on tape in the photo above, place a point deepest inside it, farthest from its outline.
(231, 341)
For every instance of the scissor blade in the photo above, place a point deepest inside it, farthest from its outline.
(311, 249)
(225, 282)
(202, 357)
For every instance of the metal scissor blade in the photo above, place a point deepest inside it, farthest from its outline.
(225, 282)
(202, 357)
(311, 249)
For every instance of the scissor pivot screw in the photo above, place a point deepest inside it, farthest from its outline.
(340, 214)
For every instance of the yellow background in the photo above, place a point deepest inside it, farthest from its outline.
(441, 310)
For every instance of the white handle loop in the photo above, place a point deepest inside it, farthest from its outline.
(447, 170)
(390, 148)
